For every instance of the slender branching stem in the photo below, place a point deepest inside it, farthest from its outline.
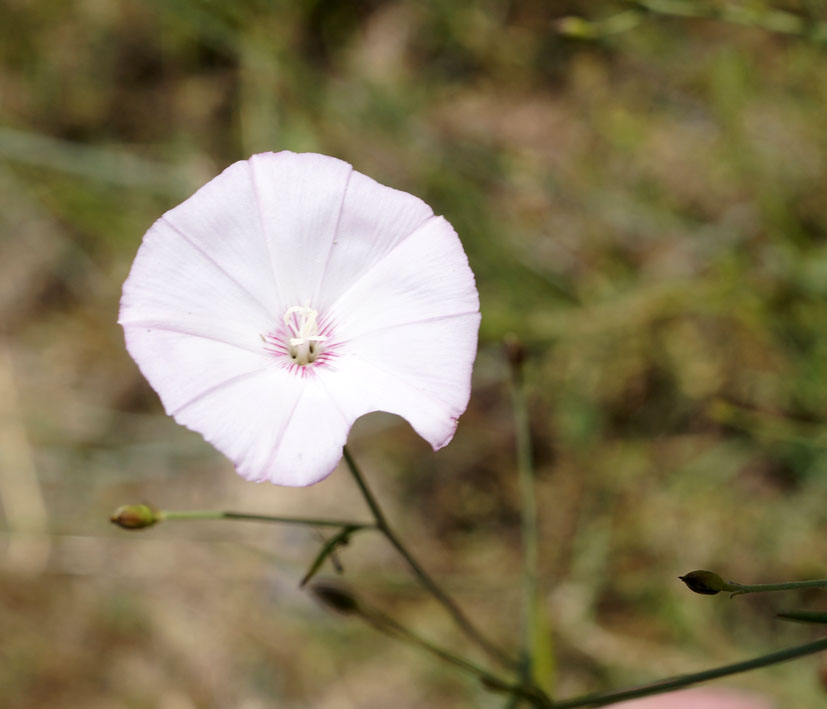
(667, 685)
(709, 583)
(436, 591)
(528, 509)
(737, 589)
(388, 625)
(223, 514)
(805, 25)
(772, 20)
(803, 616)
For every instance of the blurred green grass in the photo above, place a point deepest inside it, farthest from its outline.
(645, 209)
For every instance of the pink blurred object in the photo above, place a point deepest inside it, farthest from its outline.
(702, 698)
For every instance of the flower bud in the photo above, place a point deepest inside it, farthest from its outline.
(706, 582)
(135, 517)
(514, 351)
(335, 597)
(576, 27)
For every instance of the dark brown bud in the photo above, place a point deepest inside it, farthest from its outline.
(135, 517)
(706, 582)
(335, 597)
(514, 351)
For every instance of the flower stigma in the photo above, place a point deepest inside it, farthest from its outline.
(305, 345)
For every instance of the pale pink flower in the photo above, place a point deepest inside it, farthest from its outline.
(291, 295)
(700, 698)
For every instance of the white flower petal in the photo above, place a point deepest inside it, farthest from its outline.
(274, 426)
(374, 219)
(408, 332)
(183, 368)
(222, 220)
(420, 371)
(174, 286)
(299, 198)
(311, 444)
(424, 278)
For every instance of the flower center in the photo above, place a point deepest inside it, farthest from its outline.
(304, 343)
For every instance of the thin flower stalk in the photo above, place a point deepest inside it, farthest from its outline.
(492, 682)
(738, 589)
(243, 516)
(709, 583)
(425, 579)
(536, 658)
(667, 685)
(344, 601)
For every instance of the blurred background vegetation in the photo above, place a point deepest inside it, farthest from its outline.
(643, 197)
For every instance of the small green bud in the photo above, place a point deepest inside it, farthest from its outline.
(576, 27)
(336, 597)
(135, 517)
(706, 582)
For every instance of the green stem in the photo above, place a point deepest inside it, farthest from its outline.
(767, 19)
(222, 514)
(770, 20)
(450, 605)
(804, 616)
(737, 589)
(528, 511)
(389, 626)
(666, 685)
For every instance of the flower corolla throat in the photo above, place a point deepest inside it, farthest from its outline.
(301, 340)
(305, 346)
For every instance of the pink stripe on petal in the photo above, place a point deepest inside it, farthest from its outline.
(288, 432)
(299, 201)
(426, 276)
(374, 220)
(181, 367)
(174, 282)
(222, 220)
(418, 372)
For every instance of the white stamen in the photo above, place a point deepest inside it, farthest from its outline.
(303, 323)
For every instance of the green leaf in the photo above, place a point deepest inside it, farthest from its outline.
(340, 539)
(804, 616)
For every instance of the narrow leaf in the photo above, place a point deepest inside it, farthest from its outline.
(804, 616)
(343, 537)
